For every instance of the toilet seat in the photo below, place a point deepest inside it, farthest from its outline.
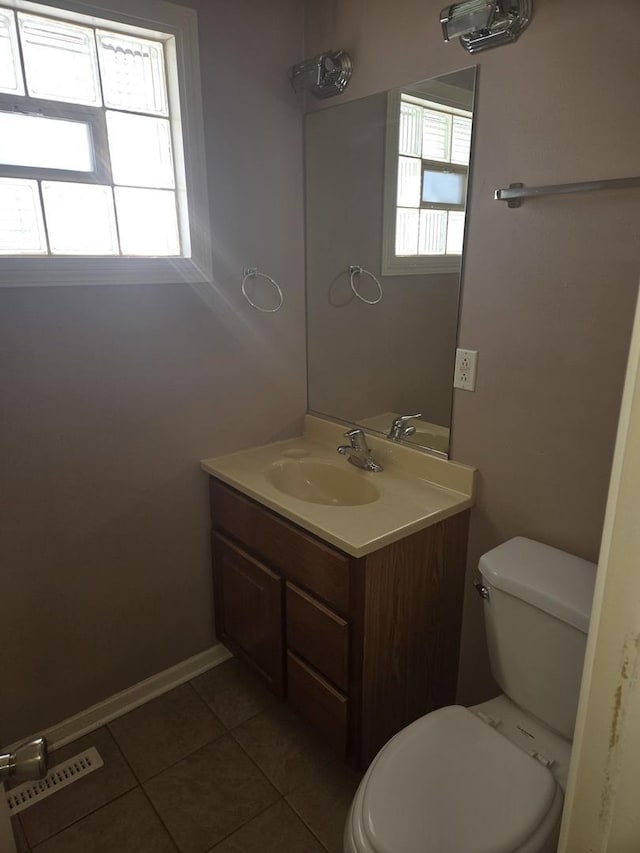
(450, 783)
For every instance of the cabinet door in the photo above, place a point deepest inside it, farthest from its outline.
(249, 610)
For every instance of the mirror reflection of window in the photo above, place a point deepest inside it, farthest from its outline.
(427, 162)
(434, 144)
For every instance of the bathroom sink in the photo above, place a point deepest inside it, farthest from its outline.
(321, 482)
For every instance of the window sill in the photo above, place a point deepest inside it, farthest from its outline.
(425, 265)
(52, 272)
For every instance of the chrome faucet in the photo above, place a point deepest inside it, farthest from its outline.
(358, 451)
(400, 428)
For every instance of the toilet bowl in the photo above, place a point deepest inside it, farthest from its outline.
(491, 779)
(451, 782)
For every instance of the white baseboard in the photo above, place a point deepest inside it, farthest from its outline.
(115, 706)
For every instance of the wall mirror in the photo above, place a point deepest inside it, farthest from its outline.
(386, 180)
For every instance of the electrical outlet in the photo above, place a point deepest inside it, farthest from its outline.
(465, 371)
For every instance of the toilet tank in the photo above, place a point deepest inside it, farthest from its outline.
(537, 617)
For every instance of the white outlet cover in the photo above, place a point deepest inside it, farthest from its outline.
(464, 376)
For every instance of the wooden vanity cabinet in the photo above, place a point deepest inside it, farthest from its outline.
(360, 647)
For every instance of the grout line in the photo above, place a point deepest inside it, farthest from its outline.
(253, 760)
(124, 757)
(203, 702)
(229, 729)
(93, 810)
(144, 793)
(307, 827)
(305, 727)
(242, 825)
(160, 818)
(184, 757)
(141, 781)
(242, 722)
(80, 819)
(310, 828)
(256, 765)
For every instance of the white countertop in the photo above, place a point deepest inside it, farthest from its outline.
(416, 490)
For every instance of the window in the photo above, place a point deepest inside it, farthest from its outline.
(100, 179)
(427, 166)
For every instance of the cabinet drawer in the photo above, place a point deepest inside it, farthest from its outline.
(324, 707)
(300, 557)
(318, 635)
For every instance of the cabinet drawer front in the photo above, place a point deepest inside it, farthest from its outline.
(318, 635)
(249, 614)
(324, 707)
(301, 558)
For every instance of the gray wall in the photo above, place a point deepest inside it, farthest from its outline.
(548, 290)
(111, 395)
(396, 356)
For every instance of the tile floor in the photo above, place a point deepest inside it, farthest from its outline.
(217, 764)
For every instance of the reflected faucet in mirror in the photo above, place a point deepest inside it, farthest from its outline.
(395, 164)
(402, 428)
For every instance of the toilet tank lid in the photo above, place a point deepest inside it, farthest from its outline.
(556, 582)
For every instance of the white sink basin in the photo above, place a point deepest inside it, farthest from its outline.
(322, 482)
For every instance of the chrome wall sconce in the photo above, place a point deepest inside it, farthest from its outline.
(482, 24)
(325, 75)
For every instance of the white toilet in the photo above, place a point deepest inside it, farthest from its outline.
(491, 779)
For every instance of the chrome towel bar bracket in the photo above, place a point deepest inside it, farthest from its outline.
(516, 192)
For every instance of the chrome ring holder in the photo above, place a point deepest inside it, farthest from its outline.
(353, 270)
(253, 272)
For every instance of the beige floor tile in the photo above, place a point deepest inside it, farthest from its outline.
(285, 749)
(209, 795)
(165, 730)
(84, 796)
(323, 803)
(126, 825)
(277, 830)
(234, 692)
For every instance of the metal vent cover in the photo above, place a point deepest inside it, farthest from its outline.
(60, 775)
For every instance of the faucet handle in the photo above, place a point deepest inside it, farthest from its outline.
(400, 427)
(357, 439)
(404, 419)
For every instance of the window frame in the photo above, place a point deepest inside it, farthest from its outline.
(456, 100)
(93, 116)
(176, 27)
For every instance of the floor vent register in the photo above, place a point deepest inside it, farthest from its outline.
(61, 775)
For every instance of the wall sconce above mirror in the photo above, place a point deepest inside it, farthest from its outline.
(324, 76)
(482, 24)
